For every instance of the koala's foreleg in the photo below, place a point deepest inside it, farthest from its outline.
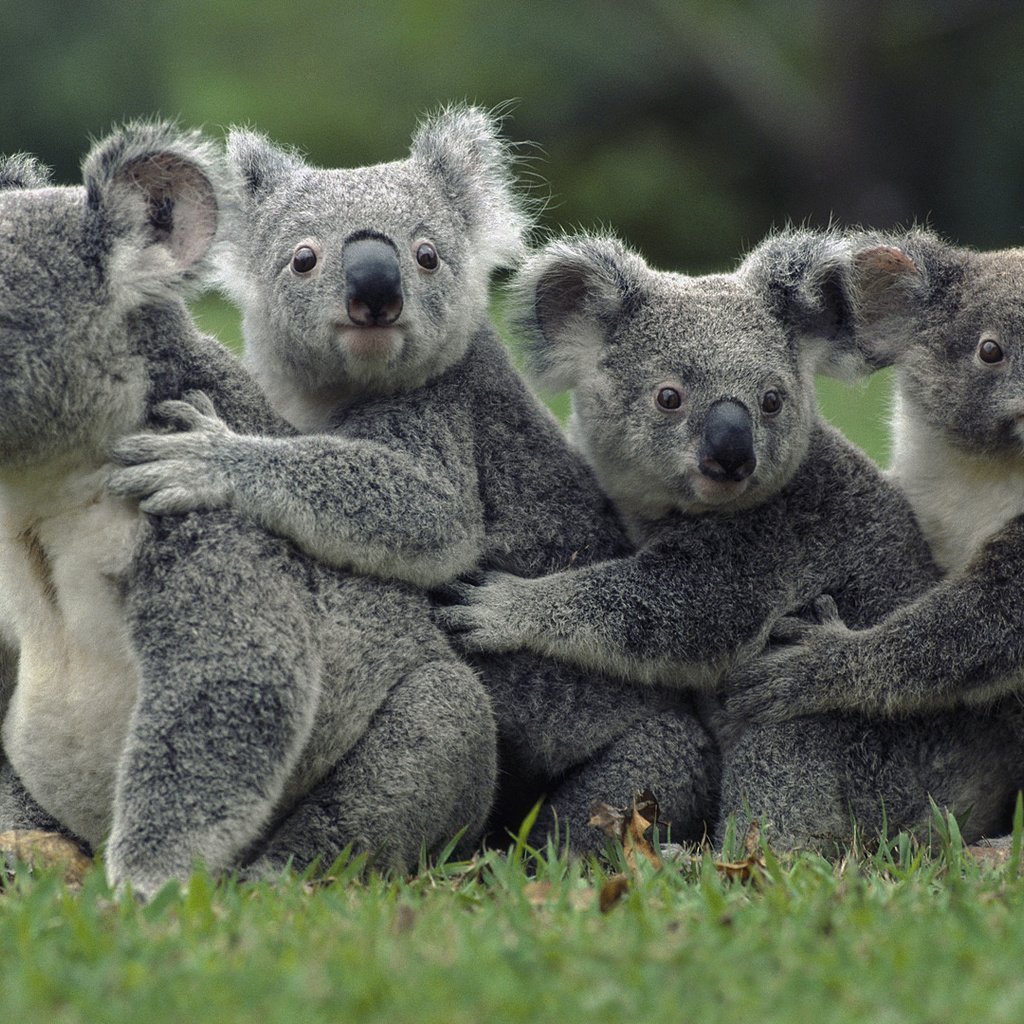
(643, 619)
(963, 640)
(409, 513)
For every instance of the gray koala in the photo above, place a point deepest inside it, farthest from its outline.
(694, 400)
(191, 688)
(950, 319)
(364, 295)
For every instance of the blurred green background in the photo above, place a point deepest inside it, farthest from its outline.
(690, 128)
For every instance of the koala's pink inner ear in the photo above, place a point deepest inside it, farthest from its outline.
(180, 201)
(883, 274)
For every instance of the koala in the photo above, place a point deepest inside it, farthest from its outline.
(188, 689)
(694, 401)
(949, 319)
(421, 453)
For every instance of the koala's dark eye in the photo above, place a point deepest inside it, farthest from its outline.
(989, 351)
(771, 402)
(426, 256)
(303, 260)
(668, 398)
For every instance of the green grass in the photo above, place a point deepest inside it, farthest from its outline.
(899, 935)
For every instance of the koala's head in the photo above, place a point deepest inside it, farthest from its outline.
(952, 322)
(79, 266)
(372, 278)
(693, 394)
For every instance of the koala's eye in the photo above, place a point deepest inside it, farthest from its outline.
(771, 402)
(668, 398)
(990, 351)
(426, 256)
(304, 260)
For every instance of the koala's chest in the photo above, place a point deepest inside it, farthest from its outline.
(66, 723)
(960, 507)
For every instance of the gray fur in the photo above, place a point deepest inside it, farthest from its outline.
(431, 457)
(185, 689)
(718, 562)
(926, 306)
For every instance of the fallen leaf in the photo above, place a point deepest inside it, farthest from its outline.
(45, 851)
(992, 853)
(752, 867)
(405, 918)
(612, 891)
(630, 827)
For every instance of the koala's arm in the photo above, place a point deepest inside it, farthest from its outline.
(963, 640)
(649, 618)
(392, 494)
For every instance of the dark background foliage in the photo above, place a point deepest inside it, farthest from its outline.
(691, 128)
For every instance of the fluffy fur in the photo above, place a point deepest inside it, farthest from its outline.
(723, 555)
(187, 689)
(426, 455)
(928, 308)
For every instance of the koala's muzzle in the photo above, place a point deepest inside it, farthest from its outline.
(727, 449)
(373, 282)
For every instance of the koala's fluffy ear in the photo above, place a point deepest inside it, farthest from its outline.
(805, 277)
(260, 163)
(887, 284)
(464, 148)
(565, 300)
(22, 171)
(151, 188)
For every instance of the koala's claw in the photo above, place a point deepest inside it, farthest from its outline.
(791, 630)
(194, 411)
(476, 609)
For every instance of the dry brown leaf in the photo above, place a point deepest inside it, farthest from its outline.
(630, 827)
(405, 918)
(752, 867)
(612, 891)
(45, 850)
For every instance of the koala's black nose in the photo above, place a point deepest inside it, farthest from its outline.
(727, 452)
(373, 282)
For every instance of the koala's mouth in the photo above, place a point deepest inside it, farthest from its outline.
(370, 343)
(718, 492)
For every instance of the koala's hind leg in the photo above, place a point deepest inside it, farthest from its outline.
(423, 771)
(788, 778)
(576, 738)
(809, 780)
(669, 752)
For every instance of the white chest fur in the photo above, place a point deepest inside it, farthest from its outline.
(959, 500)
(64, 549)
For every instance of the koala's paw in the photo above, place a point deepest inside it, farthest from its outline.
(807, 623)
(481, 611)
(769, 689)
(176, 472)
